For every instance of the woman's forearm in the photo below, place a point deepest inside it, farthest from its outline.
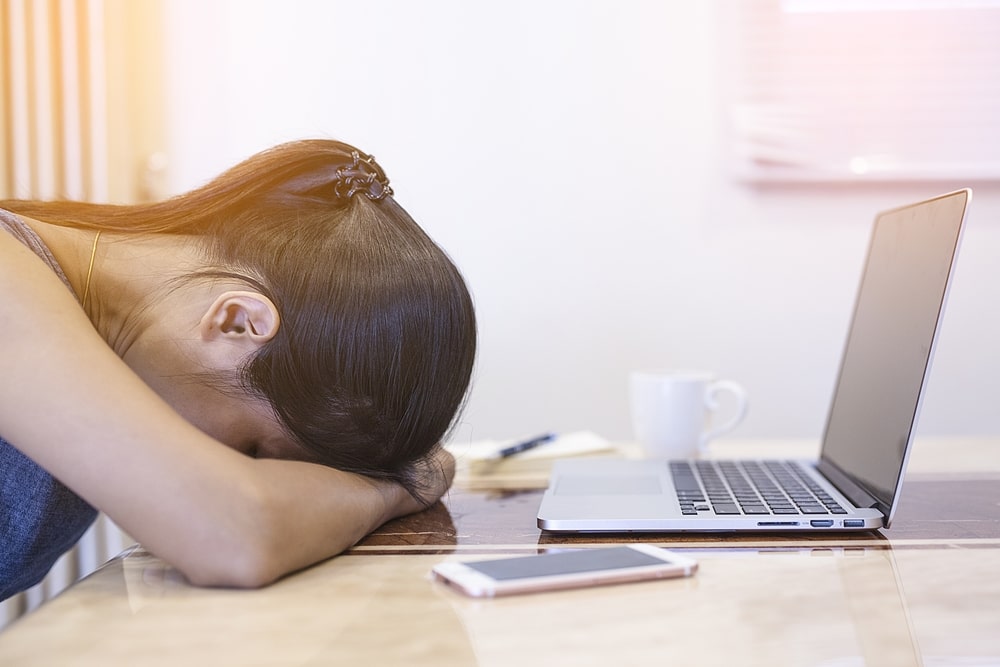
(299, 514)
(311, 513)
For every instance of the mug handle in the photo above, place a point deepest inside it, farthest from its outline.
(712, 403)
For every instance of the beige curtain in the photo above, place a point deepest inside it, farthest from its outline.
(79, 86)
(81, 98)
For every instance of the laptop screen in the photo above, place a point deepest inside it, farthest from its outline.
(889, 345)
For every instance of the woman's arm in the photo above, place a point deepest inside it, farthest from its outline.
(68, 402)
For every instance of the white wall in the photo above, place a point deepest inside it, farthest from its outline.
(567, 155)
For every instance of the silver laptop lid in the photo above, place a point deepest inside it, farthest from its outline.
(890, 343)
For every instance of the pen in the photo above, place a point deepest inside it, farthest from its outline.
(524, 446)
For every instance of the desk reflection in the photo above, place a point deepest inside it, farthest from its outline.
(925, 592)
(804, 606)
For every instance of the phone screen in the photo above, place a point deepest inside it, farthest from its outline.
(568, 562)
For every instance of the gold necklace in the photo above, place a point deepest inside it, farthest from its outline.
(90, 269)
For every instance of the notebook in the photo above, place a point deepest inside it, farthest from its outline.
(855, 483)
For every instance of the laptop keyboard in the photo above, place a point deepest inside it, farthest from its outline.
(749, 487)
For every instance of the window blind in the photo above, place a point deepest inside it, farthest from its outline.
(851, 90)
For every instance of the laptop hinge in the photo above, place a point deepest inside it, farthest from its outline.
(848, 487)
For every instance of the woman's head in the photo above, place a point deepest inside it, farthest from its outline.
(375, 348)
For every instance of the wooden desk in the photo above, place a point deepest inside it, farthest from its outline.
(927, 591)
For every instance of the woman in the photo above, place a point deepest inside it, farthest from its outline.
(247, 378)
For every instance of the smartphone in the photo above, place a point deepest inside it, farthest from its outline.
(563, 569)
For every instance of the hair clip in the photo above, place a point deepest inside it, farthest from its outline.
(364, 176)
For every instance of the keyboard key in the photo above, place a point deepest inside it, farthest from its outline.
(726, 509)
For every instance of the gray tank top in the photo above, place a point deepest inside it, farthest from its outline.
(40, 519)
(26, 235)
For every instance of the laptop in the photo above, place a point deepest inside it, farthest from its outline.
(856, 482)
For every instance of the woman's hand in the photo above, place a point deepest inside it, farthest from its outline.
(440, 474)
(435, 475)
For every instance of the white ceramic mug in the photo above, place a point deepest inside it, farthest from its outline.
(674, 413)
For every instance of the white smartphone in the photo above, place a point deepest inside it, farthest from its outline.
(563, 569)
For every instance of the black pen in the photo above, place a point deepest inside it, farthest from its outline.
(524, 446)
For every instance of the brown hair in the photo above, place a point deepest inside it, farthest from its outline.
(374, 356)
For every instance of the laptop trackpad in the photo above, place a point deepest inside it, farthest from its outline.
(614, 485)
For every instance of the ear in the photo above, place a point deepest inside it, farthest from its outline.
(247, 316)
